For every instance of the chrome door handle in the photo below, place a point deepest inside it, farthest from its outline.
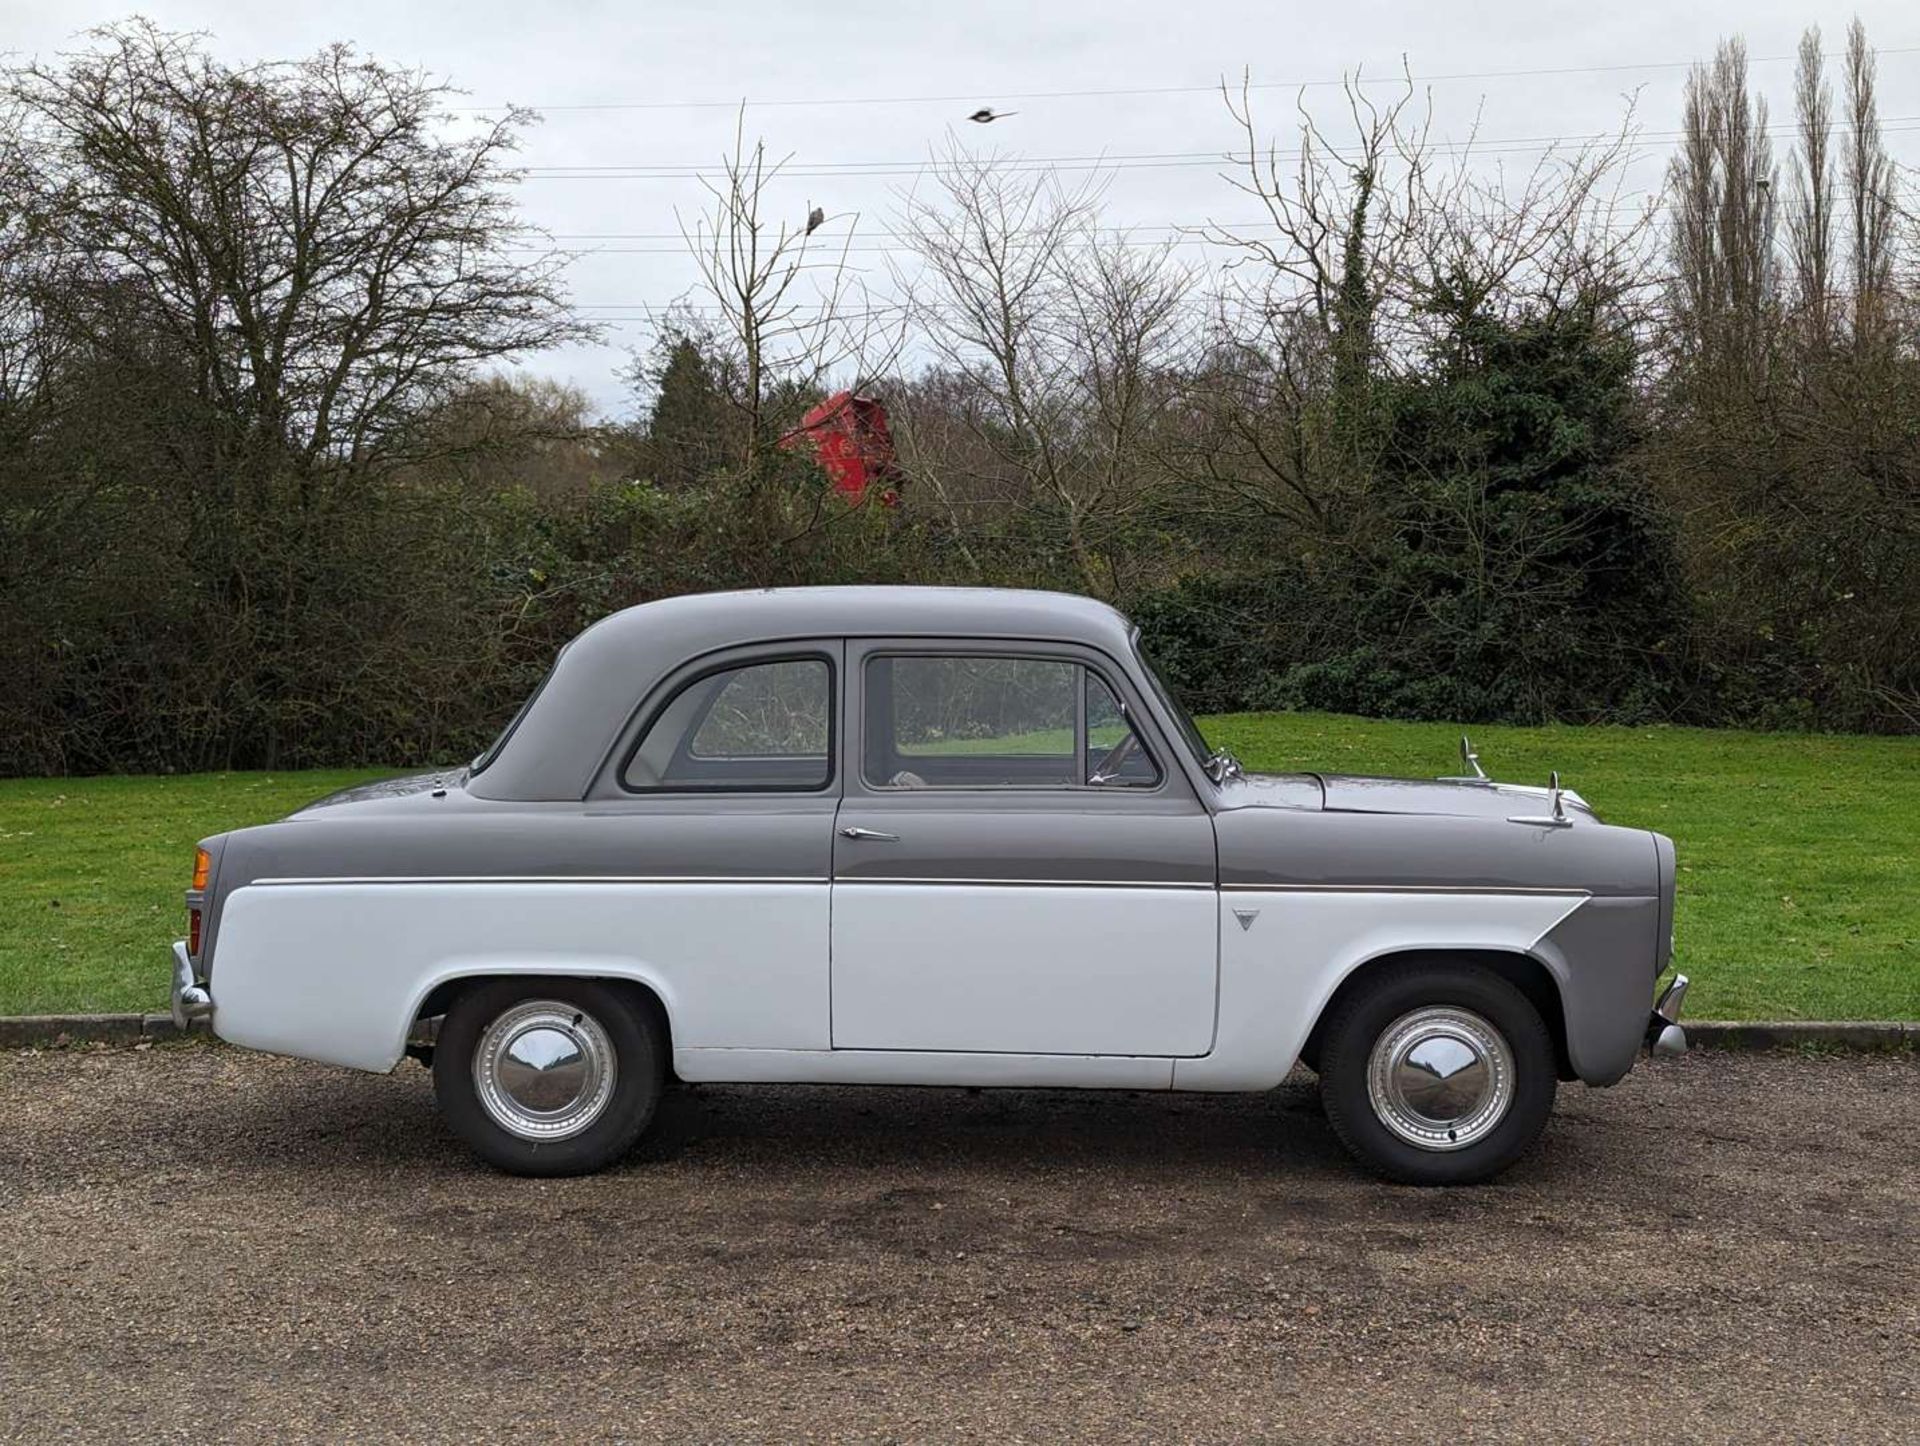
(874, 834)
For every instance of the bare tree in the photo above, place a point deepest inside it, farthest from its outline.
(792, 312)
(306, 234)
(1792, 465)
(502, 433)
(1255, 438)
(1721, 186)
(30, 349)
(1810, 226)
(1062, 333)
(1345, 221)
(1373, 247)
(248, 283)
(1870, 183)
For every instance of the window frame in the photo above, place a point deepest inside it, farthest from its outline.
(670, 693)
(988, 649)
(1129, 716)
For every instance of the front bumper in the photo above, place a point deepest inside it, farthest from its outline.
(1665, 1038)
(191, 999)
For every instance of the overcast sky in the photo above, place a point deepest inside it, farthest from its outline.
(916, 71)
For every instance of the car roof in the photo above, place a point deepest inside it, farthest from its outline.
(566, 729)
(776, 612)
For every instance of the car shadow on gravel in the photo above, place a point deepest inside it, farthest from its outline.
(318, 1118)
(351, 1117)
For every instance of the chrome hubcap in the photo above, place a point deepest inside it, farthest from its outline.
(544, 1070)
(1440, 1077)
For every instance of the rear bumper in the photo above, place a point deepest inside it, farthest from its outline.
(1665, 1038)
(190, 998)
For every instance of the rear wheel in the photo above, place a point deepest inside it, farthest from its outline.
(549, 1076)
(1437, 1074)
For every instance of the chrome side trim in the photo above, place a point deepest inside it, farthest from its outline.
(1225, 888)
(894, 880)
(738, 879)
(544, 879)
(786, 879)
(1403, 889)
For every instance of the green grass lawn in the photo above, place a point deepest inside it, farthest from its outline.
(92, 871)
(1798, 855)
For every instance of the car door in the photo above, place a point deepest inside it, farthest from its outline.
(1008, 878)
(711, 833)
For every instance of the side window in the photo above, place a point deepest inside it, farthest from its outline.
(1115, 755)
(759, 726)
(985, 721)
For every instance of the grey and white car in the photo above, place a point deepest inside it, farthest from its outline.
(929, 836)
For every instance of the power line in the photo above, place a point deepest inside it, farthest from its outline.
(1121, 230)
(1639, 143)
(1215, 156)
(889, 235)
(1033, 95)
(1226, 241)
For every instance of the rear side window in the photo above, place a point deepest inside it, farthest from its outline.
(760, 726)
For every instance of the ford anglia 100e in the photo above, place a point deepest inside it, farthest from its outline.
(930, 836)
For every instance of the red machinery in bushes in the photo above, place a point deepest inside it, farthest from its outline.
(849, 438)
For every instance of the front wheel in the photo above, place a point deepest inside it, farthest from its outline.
(1437, 1074)
(549, 1076)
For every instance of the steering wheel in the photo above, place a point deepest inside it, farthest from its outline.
(1116, 758)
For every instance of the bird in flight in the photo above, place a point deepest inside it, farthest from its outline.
(987, 114)
(816, 218)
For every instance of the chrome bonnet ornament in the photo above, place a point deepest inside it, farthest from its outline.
(1556, 815)
(1469, 759)
(1470, 769)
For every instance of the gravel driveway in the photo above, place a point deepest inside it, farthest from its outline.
(198, 1242)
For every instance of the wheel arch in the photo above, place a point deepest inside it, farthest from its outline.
(440, 996)
(1522, 970)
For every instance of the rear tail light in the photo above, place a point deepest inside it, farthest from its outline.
(202, 867)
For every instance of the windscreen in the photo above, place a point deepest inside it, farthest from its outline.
(1183, 722)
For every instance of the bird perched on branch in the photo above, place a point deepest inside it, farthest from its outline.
(987, 114)
(816, 218)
